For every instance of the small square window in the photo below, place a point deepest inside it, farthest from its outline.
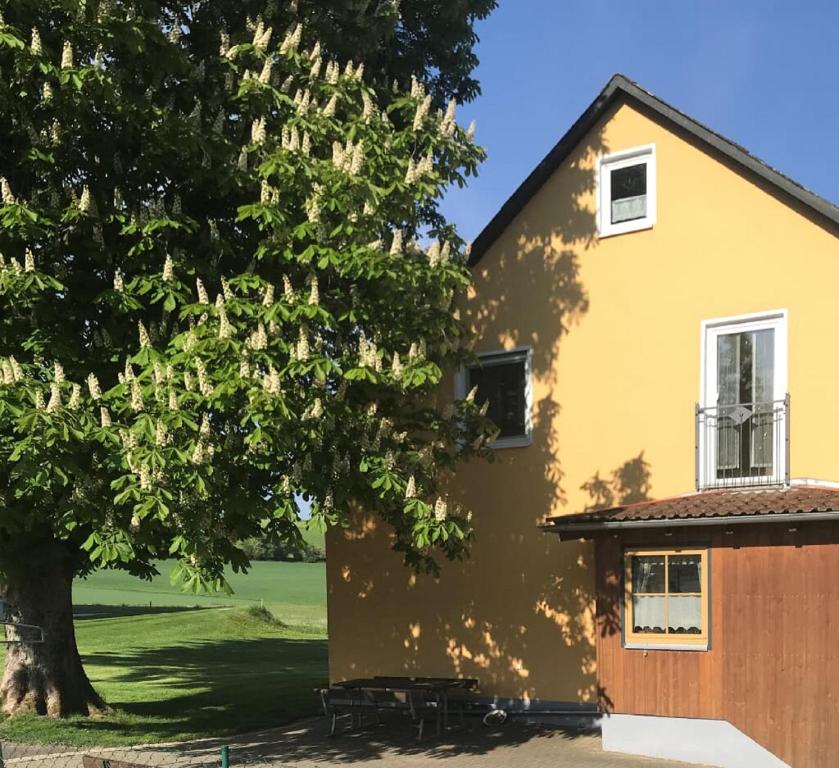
(666, 598)
(627, 191)
(503, 380)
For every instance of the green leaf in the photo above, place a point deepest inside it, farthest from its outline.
(8, 40)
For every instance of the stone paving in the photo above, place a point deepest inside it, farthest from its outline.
(308, 745)
(511, 746)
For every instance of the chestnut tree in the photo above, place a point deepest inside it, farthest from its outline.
(213, 301)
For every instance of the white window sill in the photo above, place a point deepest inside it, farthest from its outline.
(521, 441)
(639, 226)
(665, 647)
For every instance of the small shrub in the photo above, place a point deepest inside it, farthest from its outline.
(263, 615)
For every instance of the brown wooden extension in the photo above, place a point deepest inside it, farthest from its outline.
(772, 669)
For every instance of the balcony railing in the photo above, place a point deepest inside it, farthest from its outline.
(742, 445)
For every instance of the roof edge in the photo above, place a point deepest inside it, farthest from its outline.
(571, 530)
(621, 85)
(543, 171)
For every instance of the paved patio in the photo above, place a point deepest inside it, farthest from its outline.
(308, 745)
(522, 746)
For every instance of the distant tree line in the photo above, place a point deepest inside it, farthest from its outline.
(289, 551)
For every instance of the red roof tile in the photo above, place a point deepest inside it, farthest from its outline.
(723, 504)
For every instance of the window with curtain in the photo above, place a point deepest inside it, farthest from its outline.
(745, 394)
(666, 597)
(626, 197)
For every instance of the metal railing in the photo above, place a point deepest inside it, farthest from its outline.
(742, 445)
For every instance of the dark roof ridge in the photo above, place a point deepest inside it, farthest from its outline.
(620, 85)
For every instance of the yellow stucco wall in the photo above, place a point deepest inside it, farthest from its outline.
(615, 328)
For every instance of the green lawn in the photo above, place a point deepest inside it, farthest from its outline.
(294, 592)
(171, 671)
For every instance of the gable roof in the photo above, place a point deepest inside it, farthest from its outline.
(621, 87)
(765, 505)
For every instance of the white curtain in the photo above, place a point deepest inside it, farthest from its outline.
(728, 388)
(685, 612)
(629, 208)
(762, 421)
(648, 612)
(745, 373)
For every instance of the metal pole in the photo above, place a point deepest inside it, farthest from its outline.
(696, 446)
(786, 437)
(225, 756)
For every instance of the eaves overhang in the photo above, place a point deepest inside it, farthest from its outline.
(574, 531)
(720, 507)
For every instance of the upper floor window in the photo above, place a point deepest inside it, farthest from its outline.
(626, 191)
(742, 420)
(503, 380)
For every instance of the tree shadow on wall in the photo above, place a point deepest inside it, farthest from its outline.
(525, 624)
(628, 484)
(519, 613)
(527, 291)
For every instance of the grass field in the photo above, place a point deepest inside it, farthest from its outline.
(294, 592)
(175, 666)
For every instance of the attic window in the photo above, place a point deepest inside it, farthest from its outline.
(627, 191)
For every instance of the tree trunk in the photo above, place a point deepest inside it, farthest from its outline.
(46, 677)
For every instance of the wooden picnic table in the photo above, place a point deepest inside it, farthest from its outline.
(383, 692)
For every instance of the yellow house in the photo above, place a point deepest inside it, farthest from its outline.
(654, 310)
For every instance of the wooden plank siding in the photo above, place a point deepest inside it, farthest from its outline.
(772, 668)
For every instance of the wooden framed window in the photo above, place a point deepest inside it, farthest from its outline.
(666, 598)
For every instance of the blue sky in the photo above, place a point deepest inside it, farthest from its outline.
(762, 73)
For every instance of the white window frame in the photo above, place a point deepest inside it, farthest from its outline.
(516, 354)
(608, 163)
(711, 330)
